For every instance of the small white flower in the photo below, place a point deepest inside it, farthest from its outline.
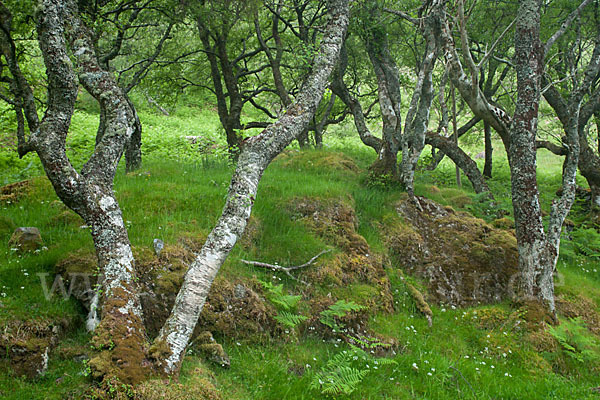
(414, 365)
(430, 374)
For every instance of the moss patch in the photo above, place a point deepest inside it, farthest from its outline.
(335, 221)
(320, 161)
(464, 260)
(27, 344)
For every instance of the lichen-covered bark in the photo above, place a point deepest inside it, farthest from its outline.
(535, 280)
(388, 91)
(417, 118)
(257, 153)
(341, 90)
(89, 193)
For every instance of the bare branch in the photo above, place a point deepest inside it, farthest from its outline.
(565, 25)
(489, 53)
(403, 15)
(287, 270)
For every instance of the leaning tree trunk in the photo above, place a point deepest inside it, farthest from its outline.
(90, 193)
(487, 167)
(257, 152)
(461, 159)
(133, 149)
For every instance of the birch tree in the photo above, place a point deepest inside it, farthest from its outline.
(88, 192)
(538, 248)
(256, 154)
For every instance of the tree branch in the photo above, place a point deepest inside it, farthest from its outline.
(287, 270)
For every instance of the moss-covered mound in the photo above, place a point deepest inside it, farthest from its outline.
(355, 272)
(465, 260)
(318, 160)
(27, 344)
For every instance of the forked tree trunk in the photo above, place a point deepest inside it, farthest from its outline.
(257, 152)
(417, 118)
(339, 88)
(388, 91)
(89, 193)
(538, 251)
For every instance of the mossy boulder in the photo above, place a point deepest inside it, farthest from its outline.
(27, 344)
(26, 239)
(318, 160)
(235, 309)
(578, 306)
(464, 260)
(206, 345)
(13, 192)
(232, 309)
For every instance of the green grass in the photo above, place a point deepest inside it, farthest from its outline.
(179, 191)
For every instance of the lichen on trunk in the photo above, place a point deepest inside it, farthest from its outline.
(256, 154)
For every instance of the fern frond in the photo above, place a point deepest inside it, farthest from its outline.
(290, 320)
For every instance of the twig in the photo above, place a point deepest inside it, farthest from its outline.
(464, 379)
(287, 269)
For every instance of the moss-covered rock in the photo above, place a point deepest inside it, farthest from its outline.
(576, 305)
(464, 260)
(13, 192)
(317, 160)
(206, 345)
(26, 239)
(27, 344)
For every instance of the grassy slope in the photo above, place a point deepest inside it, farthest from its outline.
(179, 191)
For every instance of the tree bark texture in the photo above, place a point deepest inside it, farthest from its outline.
(460, 158)
(388, 91)
(257, 152)
(536, 282)
(417, 118)
(89, 193)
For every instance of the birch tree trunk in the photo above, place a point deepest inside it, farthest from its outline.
(535, 280)
(257, 152)
(89, 193)
(417, 118)
(538, 250)
(388, 91)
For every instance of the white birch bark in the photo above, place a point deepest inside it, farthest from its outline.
(256, 154)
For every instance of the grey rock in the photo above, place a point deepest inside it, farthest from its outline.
(158, 246)
(26, 239)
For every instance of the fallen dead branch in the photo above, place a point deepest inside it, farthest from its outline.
(287, 270)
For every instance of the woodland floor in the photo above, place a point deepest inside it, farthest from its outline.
(495, 351)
